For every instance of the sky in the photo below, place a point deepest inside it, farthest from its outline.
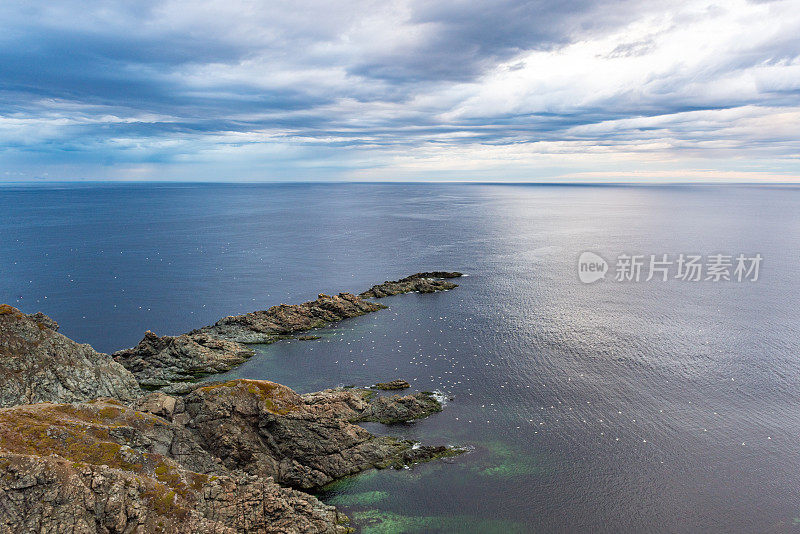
(416, 90)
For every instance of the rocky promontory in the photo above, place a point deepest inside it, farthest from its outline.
(426, 282)
(303, 441)
(168, 362)
(393, 385)
(85, 449)
(278, 321)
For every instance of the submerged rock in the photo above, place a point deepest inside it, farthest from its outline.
(270, 325)
(159, 361)
(426, 282)
(37, 364)
(393, 385)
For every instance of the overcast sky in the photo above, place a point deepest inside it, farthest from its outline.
(500, 90)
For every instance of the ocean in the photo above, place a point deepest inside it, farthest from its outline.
(614, 406)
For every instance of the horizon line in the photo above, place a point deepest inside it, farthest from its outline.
(40, 182)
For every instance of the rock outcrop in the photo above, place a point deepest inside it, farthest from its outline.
(427, 282)
(270, 325)
(168, 362)
(37, 364)
(217, 460)
(157, 362)
(43, 319)
(103, 467)
(397, 409)
(303, 441)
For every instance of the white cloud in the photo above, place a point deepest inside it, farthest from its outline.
(368, 88)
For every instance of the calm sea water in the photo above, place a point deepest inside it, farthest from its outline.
(612, 407)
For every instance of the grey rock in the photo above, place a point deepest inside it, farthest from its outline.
(102, 467)
(43, 319)
(37, 364)
(160, 361)
(167, 362)
(396, 409)
(161, 404)
(304, 441)
(214, 461)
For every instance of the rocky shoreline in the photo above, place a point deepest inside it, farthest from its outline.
(85, 447)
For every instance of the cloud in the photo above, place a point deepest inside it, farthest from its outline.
(367, 89)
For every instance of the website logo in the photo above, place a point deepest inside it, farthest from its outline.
(591, 267)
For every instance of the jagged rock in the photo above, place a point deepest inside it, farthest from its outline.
(54, 495)
(37, 364)
(102, 467)
(426, 282)
(437, 274)
(304, 441)
(361, 405)
(43, 319)
(161, 404)
(165, 362)
(211, 462)
(270, 325)
(159, 361)
(397, 409)
(393, 385)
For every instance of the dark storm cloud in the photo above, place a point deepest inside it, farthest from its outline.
(465, 37)
(131, 71)
(114, 57)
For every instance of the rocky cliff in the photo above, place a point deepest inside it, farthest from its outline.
(37, 364)
(158, 362)
(218, 460)
(304, 441)
(104, 467)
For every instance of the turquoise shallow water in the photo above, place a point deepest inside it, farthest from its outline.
(659, 406)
